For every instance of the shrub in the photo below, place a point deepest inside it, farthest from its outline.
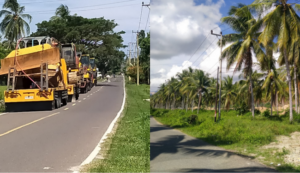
(257, 112)
(193, 119)
(241, 109)
(266, 113)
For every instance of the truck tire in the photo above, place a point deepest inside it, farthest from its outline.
(58, 103)
(53, 104)
(64, 102)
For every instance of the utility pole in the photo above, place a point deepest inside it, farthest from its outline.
(147, 5)
(216, 96)
(137, 59)
(220, 71)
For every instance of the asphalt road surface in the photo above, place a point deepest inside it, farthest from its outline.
(59, 140)
(173, 151)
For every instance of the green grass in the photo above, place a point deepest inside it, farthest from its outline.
(242, 134)
(2, 88)
(128, 150)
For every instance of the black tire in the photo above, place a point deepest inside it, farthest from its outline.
(53, 104)
(76, 96)
(58, 103)
(64, 102)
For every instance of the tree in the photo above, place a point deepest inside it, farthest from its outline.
(228, 91)
(239, 52)
(283, 23)
(94, 36)
(13, 25)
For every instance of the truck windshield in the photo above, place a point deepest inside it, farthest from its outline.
(84, 60)
(92, 62)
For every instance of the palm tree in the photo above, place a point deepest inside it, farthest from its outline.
(62, 12)
(239, 53)
(282, 22)
(228, 91)
(272, 85)
(13, 25)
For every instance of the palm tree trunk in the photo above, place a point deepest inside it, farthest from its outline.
(193, 105)
(276, 102)
(200, 97)
(290, 84)
(252, 98)
(174, 102)
(186, 102)
(182, 102)
(271, 101)
(296, 88)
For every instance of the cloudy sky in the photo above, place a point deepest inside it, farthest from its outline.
(125, 12)
(179, 28)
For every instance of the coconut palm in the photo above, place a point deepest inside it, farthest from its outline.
(228, 91)
(239, 53)
(62, 12)
(272, 85)
(281, 22)
(13, 25)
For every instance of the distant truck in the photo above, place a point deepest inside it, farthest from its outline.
(86, 83)
(37, 76)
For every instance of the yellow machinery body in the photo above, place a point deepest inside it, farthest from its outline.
(41, 64)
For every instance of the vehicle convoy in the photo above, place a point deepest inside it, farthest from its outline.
(75, 72)
(38, 76)
(86, 84)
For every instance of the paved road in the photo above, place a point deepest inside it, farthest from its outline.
(56, 141)
(173, 151)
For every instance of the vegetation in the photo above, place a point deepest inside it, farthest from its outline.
(13, 25)
(273, 85)
(128, 150)
(240, 133)
(144, 60)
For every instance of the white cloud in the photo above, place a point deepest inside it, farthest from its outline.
(177, 32)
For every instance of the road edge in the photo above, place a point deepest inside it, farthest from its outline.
(97, 149)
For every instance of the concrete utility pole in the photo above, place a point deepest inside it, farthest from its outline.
(220, 72)
(216, 96)
(137, 59)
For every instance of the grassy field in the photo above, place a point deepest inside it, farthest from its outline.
(237, 133)
(128, 150)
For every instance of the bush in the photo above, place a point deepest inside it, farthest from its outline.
(257, 112)
(193, 119)
(266, 113)
(241, 109)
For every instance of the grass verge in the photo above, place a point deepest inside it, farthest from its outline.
(128, 149)
(241, 134)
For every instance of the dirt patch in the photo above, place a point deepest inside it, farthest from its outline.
(289, 143)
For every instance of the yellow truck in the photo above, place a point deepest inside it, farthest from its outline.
(86, 84)
(37, 76)
(75, 72)
(93, 71)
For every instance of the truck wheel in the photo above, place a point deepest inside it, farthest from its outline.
(76, 96)
(58, 103)
(53, 104)
(64, 102)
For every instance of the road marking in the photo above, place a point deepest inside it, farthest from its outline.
(98, 148)
(79, 101)
(2, 114)
(27, 124)
(66, 109)
(46, 167)
(84, 98)
(74, 104)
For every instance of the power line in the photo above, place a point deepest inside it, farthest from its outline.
(147, 20)
(84, 6)
(198, 48)
(140, 17)
(203, 52)
(95, 8)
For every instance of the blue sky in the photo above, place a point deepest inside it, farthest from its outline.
(125, 12)
(189, 23)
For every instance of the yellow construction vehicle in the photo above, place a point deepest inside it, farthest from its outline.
(86, 84)
(37, 76)
(75, 72)
(93, 71)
